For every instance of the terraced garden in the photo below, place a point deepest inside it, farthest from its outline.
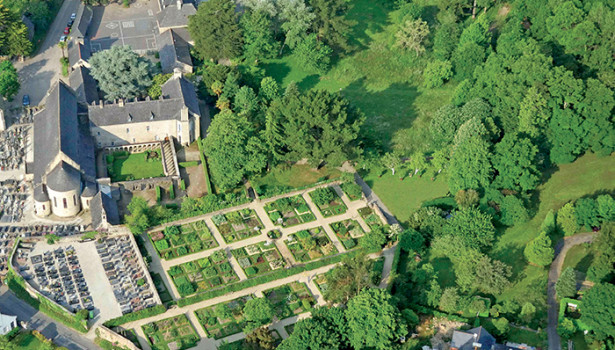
(223, 319)
(289, 211)
(171, 333)
(258, 258)
(311, 244)
(238, 225)
(203, 274)
(176, 241)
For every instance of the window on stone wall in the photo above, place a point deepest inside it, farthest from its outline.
(43, 206)
(65, 203)
(147, 128)
(74, 200)
(127, 130)
(55, 202)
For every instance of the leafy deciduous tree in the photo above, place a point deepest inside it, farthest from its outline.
(120, 72)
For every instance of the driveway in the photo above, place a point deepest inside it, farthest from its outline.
(561, 249)
(38, 73)
(61, 335)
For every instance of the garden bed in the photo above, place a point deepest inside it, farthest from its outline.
(328, 201)
(223, 319)
(290, 299)
(171, 333)
(202, 274)
(258, 258)
(371, 219)
(352, 190)
(125, 166)
(347, 232)
(176, 241)
(238, 225)
(289, 211)
(308, 245)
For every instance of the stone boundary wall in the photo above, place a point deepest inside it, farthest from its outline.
(146, 184)
(116, 339)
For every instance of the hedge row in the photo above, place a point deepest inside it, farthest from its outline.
(134, 316)
(237, 286)
(284, 190)
(204, 164)
(395, 264)
(427, 311)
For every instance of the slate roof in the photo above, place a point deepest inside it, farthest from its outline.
(84, 85)
(464, 340)
(39, 194)
(178, 92)
(171, 17)
(89, 189)
(103, 209)
(56, 130)
(174, 51)
(77, 51)
(64, 178)
(82, 22)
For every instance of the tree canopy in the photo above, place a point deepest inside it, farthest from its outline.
(216, 31)
(121, 73)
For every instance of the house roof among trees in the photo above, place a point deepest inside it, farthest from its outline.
(84, 85)
(82, 22)
(174, 49)
(465, 340)
(78, 51)
(172, 17)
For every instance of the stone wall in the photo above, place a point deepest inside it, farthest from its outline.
(116, 339)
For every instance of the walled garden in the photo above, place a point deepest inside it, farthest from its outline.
(125, 166)
(328, 201)
(238, 225)
(203, 274)
(370, 218)
(171, 333)
(176, 241)
(289, 211)
(258, 258)
(223, 319)
(348, 231)
(311, 244)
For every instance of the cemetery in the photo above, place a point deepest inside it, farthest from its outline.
(290, 299)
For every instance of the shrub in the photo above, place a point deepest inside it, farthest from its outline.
(306, 304)
(158, 194)
(182, 185)
(352, 190)
(185, 288)
(172, 192)
(182, 251)
(437, 73)
(218, 219)
(323, 196)
(175, 271)
(137, 315)
(161, 244)
(250, 271)
(275, 216)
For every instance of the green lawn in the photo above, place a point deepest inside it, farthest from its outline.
(522, 336)
(27, 341)
(284, 178)
(579, 258)
(134, 167)
(403, 197)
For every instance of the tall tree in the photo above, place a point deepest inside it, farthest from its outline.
(326, 329)
(373, 320)
(296, 21)
(567, 219)
(516, 163)
(470, 166)
(348, 279)
(411, 35)
(473, 226)
(215, 30)
(9, 80)
(120, 72)
(539, 251)
(330, 23)
(533, 113)
(231, 149)
(258, 312)
(138, 220)
(566, 285)
(259, 41)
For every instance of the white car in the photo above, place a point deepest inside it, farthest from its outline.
(73, 16)
(63, 38)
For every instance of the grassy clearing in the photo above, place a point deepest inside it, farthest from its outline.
(579, 258)
(284, 177)
(27, 341)
(517, 335)
(403, 197)
(134, 166)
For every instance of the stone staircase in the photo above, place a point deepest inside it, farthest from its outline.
(169, 158)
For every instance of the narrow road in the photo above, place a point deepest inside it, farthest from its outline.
(561, 249)
(61, 335)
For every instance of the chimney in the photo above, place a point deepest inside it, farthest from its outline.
(120, 102)
(179, 4)
(177, 73)
(101, 103)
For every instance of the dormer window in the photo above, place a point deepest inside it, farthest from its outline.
(129, 118)
(151, 117)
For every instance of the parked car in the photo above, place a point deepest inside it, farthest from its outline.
(70, 22)
(67, 30)
(63, 38)
(26, 100)
(73, 16)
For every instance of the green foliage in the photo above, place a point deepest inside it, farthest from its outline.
(411, 241)
(347, 279)
(120, 72)
(9, 80)
(138, 221)
(566, 285)
(501, 325)
(515, 160)
(539, 250)
(373, 320)
(566, 328)
(14, 39)
(154, 91)
(134, 316)
(599, 310)
(567, 220)
(449, 301)
(326, 329)
(258, 36)
(411, 35)
(472, 226)
(323, 195)
(215, 30)
(330, 23)
(586, 212)
(374, 240)
(258, 310)
(437, 73)
(314, 55)
(513, 211)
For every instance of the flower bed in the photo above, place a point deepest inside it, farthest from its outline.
(171, 333)
(290, 299)
(352, 190)
(238, 225)
(224, 319)
(203, 274)
(258, 258)
(176, 241)
(308, 245)
(289, 211)
(370, 218)
(328, 201)
(347, 231)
